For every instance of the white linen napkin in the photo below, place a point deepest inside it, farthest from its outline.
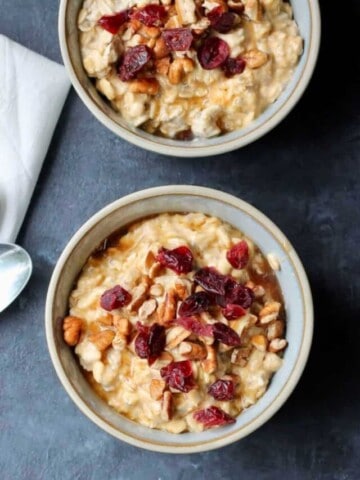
(33, 90)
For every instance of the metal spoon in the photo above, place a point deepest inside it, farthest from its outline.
(15, 271)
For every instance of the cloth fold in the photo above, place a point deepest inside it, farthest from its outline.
(33, 90)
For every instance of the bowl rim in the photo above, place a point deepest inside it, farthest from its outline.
(299, 364)
(193, 150)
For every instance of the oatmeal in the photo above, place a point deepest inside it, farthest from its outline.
(185, 68)
(178, 322)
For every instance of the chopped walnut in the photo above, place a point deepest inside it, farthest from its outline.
(260, 342)
(179, 68)
(169, 312)
(157, 388)
(167, 406)
(273, 261)
(162, 65)
(269, 313)
(105, 321)
(210, 363)
(147, 309)
(275, 329)
(164, 359)
(253, 10)
(102, 340)
(182, 290)
(277, 345)
(156, 290)
(139, 294)
(240, 356)
(122, 325)
(150, 86)
(72, 330)
(255, 58)
(186, 11)
(175, 335)
(192, 351)
(160, 48)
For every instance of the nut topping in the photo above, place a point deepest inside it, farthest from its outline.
(275, 330)
(260, 342)
(147, 309)
(169, 307)
(269, 313)
(140, 294)
(277, 345)
(156, 290)
(102, 340)
(175, 335)
(150, 86)
(122, 325)
(255, 58)
(179, 68)
(167, 406)
(72, 330)
(157, 388)
(210, 364)
(240, 356)
(192, 351)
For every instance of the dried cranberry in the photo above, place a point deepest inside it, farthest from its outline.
(179, 375)
(226, 334)
(211, 280)
(222, 390)
(157, 340)
(237, 6)
(185, 135)
(233, 66)
(179, 259)
(226, 289)
(215, 13)
(134, 60)
(116, 297)
(142, 341)
(238, 294)
(150, 341)
(221, 21)
(213, 53)
(195, 326)
(232, 311)
(150, 15)
(238, 255)
(112, 23)
(213, 417)
(196, 303)
(177, 39)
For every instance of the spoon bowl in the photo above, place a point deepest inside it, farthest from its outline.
(15, 271)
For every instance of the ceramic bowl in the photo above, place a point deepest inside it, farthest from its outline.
(293, 282)
(306, 13)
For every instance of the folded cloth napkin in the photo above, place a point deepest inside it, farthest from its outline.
(33, 90)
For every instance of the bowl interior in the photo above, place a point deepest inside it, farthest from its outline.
(306, 15)
(121, 213)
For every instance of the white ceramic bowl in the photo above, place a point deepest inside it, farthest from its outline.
(293, 282)
(306, 13)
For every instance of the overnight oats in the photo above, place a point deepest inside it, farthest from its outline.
(189, 68)
(178, 322)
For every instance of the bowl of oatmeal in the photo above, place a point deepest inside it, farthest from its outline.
(187, 77)
(179, 319)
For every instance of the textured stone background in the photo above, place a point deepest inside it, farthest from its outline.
(304, 175)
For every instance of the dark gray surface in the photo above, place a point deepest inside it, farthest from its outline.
(304, 175)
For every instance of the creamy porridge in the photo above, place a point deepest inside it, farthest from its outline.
(185, 68)
(178, 322)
